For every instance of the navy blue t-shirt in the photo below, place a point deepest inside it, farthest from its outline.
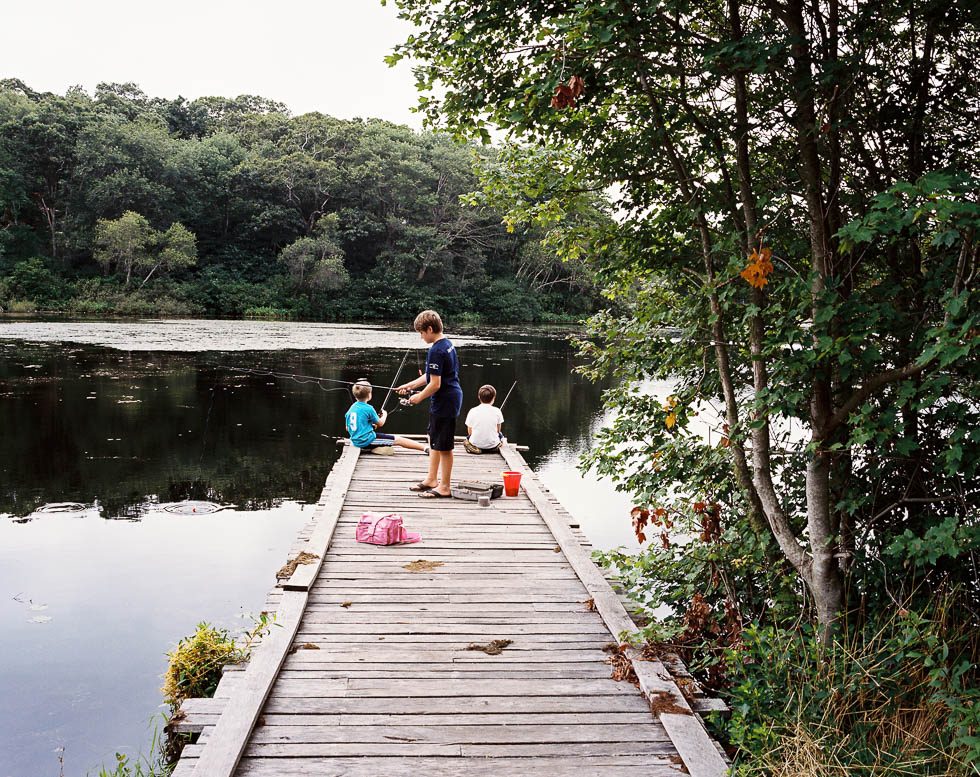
(442, 360)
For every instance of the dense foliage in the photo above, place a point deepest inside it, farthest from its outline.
(123, 203)
(797, 186)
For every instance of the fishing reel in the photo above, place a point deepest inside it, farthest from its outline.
(404, 401)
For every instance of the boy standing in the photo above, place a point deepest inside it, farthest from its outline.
(483, 423)
(441, 383)
(362, 420)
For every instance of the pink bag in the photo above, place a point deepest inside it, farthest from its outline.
(384, 530)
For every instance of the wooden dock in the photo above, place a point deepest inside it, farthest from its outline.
(375, 668)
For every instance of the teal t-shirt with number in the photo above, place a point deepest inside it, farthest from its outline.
(360, 420)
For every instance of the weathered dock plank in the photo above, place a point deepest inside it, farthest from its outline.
(376, 668)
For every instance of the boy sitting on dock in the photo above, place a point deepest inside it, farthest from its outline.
(483, 423)
(363, 420)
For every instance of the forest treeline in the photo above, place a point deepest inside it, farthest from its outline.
(121, 203)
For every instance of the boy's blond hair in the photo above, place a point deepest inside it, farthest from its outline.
(361, 390)
(428, 319)
(487, 394)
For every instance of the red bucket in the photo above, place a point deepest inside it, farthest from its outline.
(512, 483)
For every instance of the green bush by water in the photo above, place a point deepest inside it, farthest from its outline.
(196, 663)
(897, 692)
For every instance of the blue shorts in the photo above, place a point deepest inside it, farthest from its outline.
(381, 440)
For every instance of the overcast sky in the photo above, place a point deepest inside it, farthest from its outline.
(312, 55)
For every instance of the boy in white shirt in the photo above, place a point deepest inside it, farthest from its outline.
(483, 423)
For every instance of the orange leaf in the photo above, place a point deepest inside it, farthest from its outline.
(759, 268)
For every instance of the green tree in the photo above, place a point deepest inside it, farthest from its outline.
(33, 280)
(124, 244)
(177, 249)
(797, 187)
(316, 263)
(248, 180)
(129, 244)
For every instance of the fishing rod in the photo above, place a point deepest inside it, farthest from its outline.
(395, 381)
(508, 396)
(304, 378)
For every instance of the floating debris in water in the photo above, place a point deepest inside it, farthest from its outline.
(61, 507)
(191, 507)
(33, 607)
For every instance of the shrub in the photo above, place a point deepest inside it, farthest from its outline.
(32, 280)
(21, 306)
(897, 696)
(103, 296)
(196, 663)
(268, 312)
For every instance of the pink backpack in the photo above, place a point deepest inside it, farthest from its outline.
(384, 530)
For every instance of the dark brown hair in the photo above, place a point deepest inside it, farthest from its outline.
(487, 394)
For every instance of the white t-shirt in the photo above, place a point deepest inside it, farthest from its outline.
(483, 420)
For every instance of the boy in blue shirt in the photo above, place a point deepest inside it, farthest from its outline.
(441, 383)
(362, 420)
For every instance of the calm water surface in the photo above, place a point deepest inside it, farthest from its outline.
(127, 419)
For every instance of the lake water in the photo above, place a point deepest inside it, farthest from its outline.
(126, 419)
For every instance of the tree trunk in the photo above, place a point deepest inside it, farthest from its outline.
(148, 275)
(822, 574)
(825, 580)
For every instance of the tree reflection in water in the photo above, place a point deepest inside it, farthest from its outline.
(134, 429)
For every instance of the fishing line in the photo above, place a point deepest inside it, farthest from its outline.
(204, 436)
(302, 380)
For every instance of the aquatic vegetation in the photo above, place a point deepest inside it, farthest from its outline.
(196, 663)
(154, 765)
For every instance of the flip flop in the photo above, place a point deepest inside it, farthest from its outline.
(433, 494)
(420, 488)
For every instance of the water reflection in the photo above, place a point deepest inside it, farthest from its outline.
(123, 435)
(82, 423)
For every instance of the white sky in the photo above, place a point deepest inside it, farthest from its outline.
(312, 55)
